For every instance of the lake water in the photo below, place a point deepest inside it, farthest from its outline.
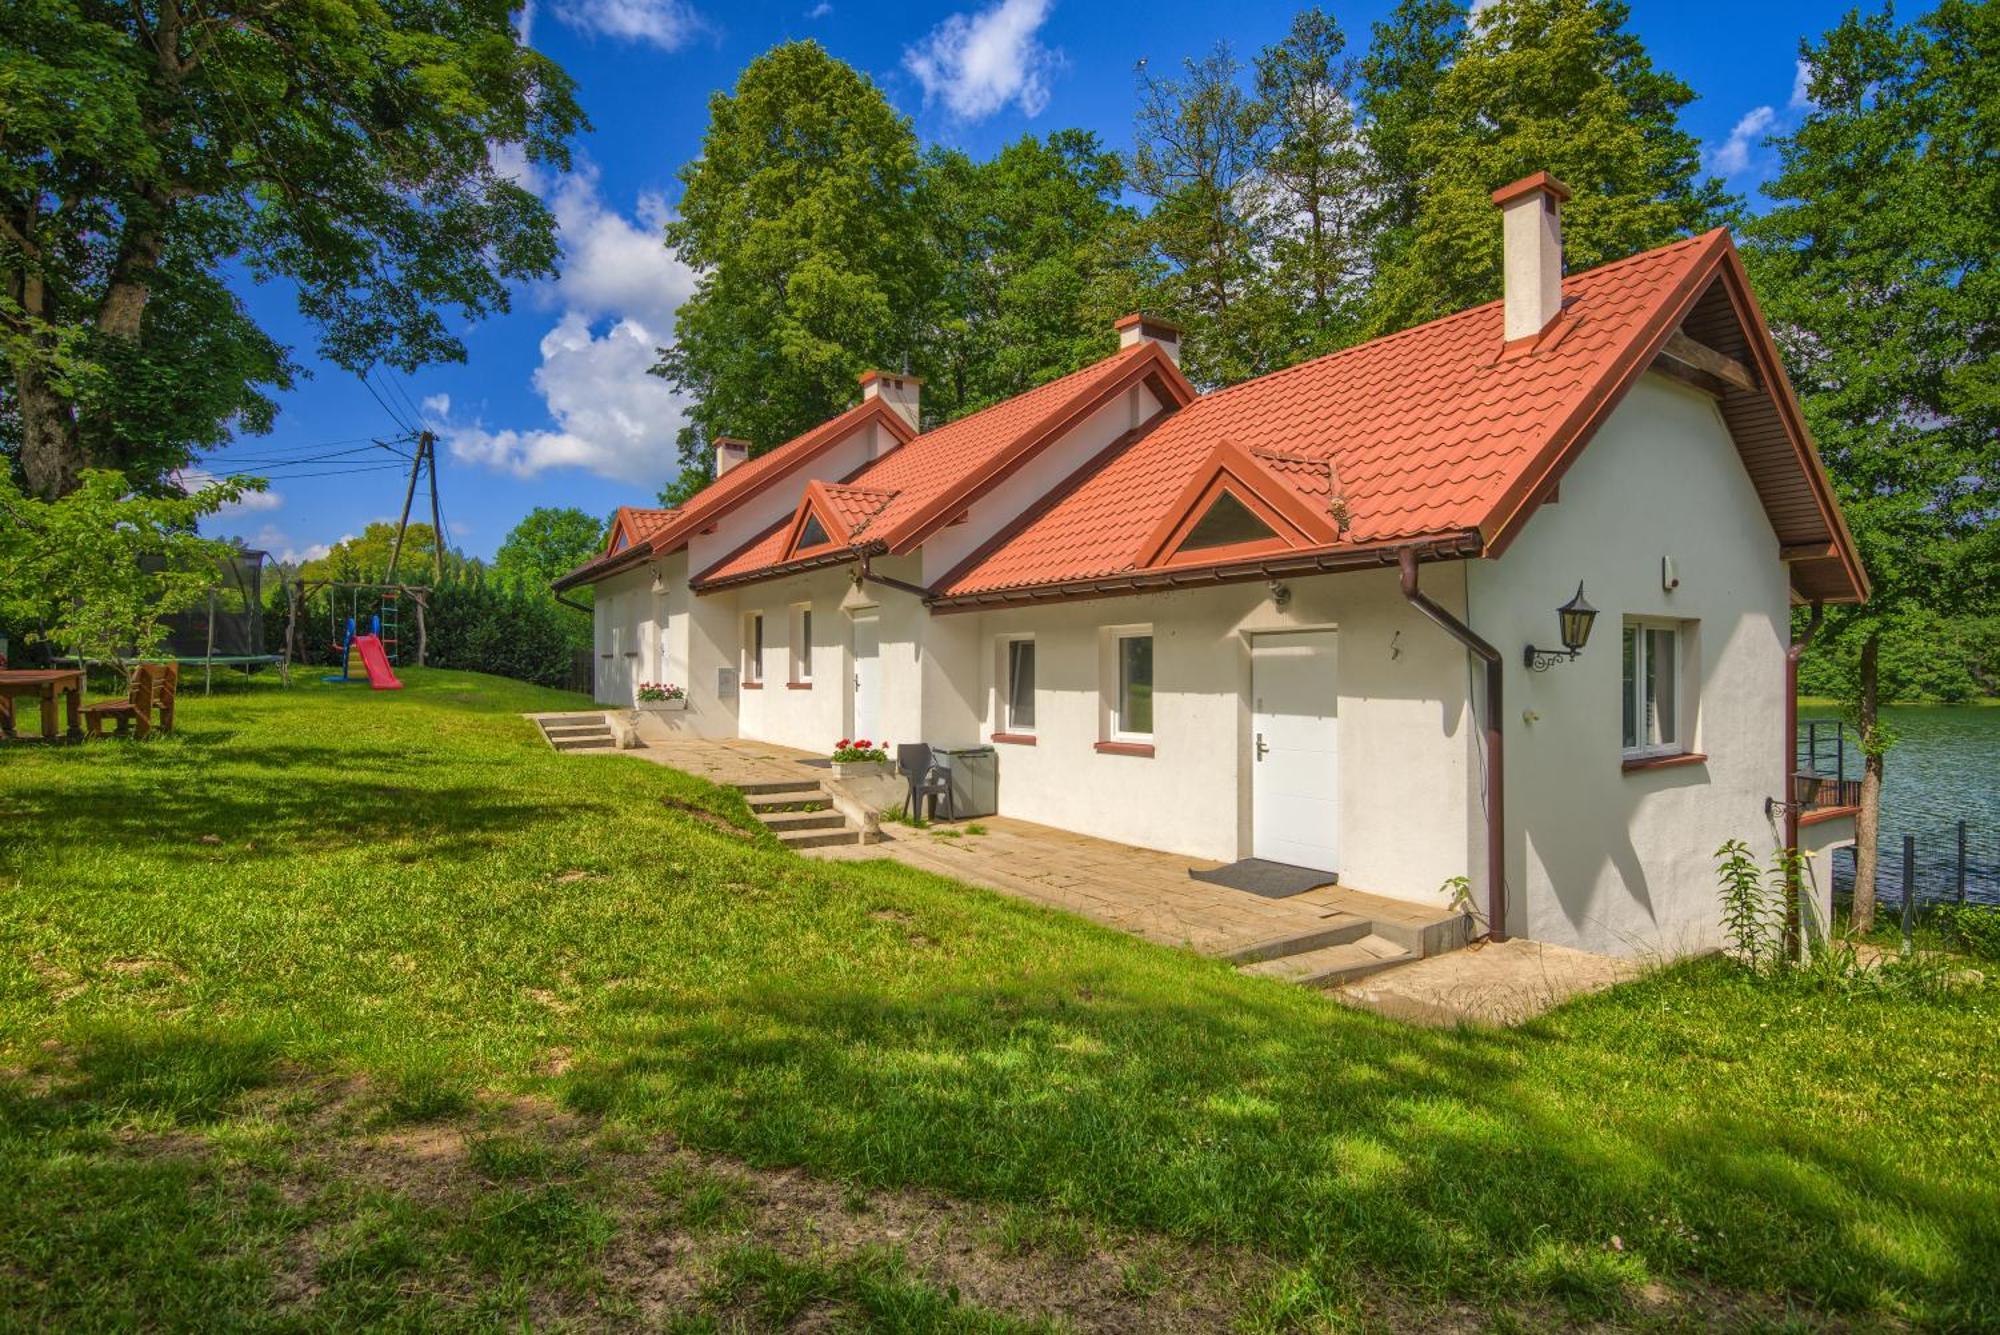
(1944, 768)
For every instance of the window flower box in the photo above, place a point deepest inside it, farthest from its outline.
(660, 698)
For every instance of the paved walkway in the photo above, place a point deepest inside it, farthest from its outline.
(1137, 890)
(1495, 985)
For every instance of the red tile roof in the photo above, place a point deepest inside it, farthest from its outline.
(1429, 433)
(667, 530)
(933, 478)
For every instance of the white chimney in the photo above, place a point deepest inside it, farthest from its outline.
(729, 452)
(900, 392)
(1532, 245)
(1135, 327)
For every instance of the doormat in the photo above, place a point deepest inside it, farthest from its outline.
(1271, 880)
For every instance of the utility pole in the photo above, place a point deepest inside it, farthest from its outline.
(425, 446)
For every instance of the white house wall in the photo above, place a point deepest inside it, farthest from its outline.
(1599, 857)
(1405, 779)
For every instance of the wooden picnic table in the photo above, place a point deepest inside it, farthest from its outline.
(45, 684)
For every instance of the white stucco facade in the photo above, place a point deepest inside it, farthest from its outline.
(1600, 855)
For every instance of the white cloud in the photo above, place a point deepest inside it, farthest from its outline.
(1801, 88)
(667, 24)
(820, 10)
(1734, 154)
(978, 63)
(619, 289)
(283, 547)
(194, 479)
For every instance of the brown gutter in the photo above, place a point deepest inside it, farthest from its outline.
(888, 582)
(1496, 823)
(838, 556)
(1793, 653)
(1445, 547)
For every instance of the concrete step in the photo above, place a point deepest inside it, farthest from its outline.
(779, 803)
(768, 788)
(1336, 930)
(583, 743)
(1331, 965)
(571, 734)
(572, 720)
(819, 838)
(792, 822)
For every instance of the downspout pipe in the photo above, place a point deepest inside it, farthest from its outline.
(1496, 807)
(1793, 653)
(566, 602)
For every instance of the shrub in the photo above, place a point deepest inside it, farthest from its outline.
(1973, 929)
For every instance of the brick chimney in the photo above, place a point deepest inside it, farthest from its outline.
(1152, 329)
(900, 392)
(1532, 249)
(729, 452)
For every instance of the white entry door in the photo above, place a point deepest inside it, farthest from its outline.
(1295, 749)
(867, 678)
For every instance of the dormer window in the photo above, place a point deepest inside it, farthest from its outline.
(812, 534)
(1227, 523)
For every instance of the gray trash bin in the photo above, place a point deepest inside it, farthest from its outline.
(975, 779)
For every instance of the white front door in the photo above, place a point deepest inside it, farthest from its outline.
(867, 678)
(1295, 749)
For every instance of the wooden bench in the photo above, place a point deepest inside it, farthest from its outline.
(154, 686)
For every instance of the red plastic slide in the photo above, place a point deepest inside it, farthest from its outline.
(376, 663)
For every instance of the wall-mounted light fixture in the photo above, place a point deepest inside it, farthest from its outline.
(1281, 594)
(1575, 618)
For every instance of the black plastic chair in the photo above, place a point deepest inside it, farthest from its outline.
(926, 781)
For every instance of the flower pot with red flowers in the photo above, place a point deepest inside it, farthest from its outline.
(657, 697)
(861, 758)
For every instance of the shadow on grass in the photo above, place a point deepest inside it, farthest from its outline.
(1451, 1160)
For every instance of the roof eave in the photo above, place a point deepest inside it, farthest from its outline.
(1452, 546)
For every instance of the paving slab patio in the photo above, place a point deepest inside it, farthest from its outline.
(1494, 985)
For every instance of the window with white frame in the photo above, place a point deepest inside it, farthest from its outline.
(1132, 677)
(1017, 686)
(1657, 706)
(753, 649)
(802, 641)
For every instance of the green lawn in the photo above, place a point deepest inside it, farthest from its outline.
(341, 1007)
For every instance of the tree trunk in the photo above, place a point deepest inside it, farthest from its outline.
(1867, 821)
(48, 433)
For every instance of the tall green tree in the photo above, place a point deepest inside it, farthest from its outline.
(549, 541)
(343, 146)
(1877, 268)
(1035, 259)
(1200, 137)
(1408, 56)
(1314, 173)
(1556, 85)
(798, 219)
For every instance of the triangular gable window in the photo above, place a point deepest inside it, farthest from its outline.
(811, 534)
(1228, 523)
(618, 542)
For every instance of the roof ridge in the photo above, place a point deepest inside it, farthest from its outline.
(975, 415)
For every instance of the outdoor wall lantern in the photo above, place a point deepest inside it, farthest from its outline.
(1575, 618)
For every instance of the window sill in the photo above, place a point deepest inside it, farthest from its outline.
(752, 685)
(1636, 763)
(1125, 748)
(798, 686)
(1015, 738)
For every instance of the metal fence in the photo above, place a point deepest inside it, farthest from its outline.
(1924, 856)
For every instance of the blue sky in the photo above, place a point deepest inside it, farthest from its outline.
(552, 406)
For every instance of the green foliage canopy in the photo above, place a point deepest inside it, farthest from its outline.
(1877, 271)
(345, 146)
(549, 541)
(798, 219)
(1531, 85)
(98, 571)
